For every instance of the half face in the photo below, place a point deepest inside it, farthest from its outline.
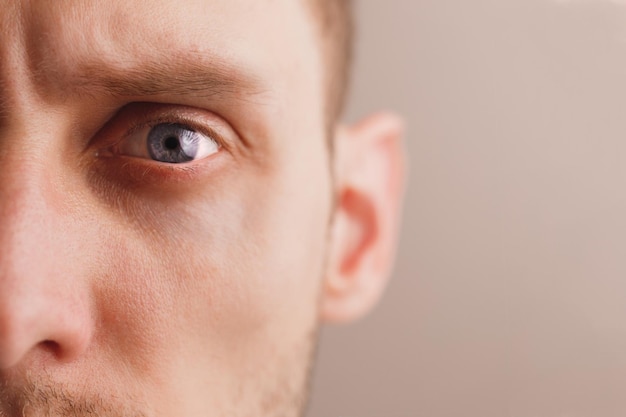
(165, 198)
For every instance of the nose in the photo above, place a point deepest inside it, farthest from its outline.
(44, 309)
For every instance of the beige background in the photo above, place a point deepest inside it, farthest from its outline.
(509, 297)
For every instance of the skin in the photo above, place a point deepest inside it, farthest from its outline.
(131, 287)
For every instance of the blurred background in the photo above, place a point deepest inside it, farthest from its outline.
(509, 296)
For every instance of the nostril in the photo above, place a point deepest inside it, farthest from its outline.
(57, 350)
(51, 346)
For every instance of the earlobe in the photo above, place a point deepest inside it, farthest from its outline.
(369, 187)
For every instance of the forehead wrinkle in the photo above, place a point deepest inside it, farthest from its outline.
(13, 56)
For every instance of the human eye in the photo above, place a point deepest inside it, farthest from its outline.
(145, 144)
(170, 143)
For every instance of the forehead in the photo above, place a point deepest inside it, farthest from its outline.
(154, 19)
(272, 40)
(161, 23)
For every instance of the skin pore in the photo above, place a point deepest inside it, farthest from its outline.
(136, 287)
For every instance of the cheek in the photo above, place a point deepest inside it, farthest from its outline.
(223, 280)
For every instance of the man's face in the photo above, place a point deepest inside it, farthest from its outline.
(165, 196)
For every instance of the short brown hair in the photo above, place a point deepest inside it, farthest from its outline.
(337, 33)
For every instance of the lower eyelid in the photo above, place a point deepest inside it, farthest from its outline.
(132, 172)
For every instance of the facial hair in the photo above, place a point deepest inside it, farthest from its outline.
(40, 397)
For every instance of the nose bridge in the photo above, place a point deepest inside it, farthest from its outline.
(27, 220)
(40, 300)
(43, 302)
(33, 174)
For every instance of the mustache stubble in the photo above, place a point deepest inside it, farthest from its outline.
(40, 398)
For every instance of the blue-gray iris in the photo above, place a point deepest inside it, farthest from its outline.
(173, 143)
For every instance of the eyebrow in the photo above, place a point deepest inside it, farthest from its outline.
(182, 75)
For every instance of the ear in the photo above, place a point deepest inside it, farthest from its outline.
(369, 184)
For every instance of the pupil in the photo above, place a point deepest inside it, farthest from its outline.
(171, 143)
